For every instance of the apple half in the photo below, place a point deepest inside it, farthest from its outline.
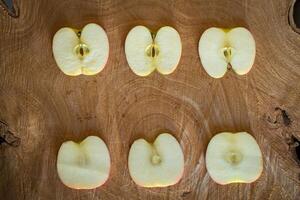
(146, 51)
(223, 49)
(233, 158)
(159, 164)
(85, 165)
(81, 51)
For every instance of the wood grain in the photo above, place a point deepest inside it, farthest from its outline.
(44, 107)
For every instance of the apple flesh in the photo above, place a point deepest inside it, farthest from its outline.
(81, 52)
(146, 51)
(85, 165)
(233, 158)
(223, 49)
(159, 164)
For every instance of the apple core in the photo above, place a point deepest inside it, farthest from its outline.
(152, 50)
(81, 50)
(82, 160)
(155, 159)
(227, 51)
(233, 157)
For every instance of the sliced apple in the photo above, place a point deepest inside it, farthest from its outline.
(156, 165)
(85, 165)
(233, 158)
(81, 52)
(146, 51)
(222, 49)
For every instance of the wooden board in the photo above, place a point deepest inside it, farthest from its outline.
(44, 107)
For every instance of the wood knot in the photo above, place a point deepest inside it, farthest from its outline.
(7, 137)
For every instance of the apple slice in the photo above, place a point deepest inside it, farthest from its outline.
(81, 52)
(233, 158)
(156, 165)
(85, 165)
(146, 51)
(222, 49)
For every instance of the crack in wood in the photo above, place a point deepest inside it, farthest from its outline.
(285, 117)
(185, 194)
(9, 7)
(294, 15)
(279, 118)
(7, 137)
(294, 146)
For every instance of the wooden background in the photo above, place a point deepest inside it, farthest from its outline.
(44, 107)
